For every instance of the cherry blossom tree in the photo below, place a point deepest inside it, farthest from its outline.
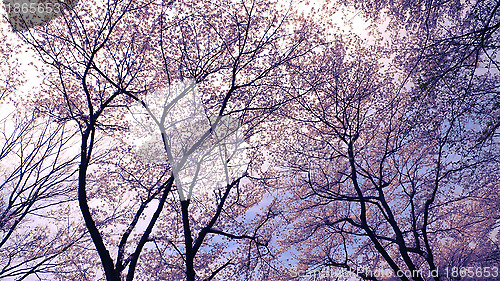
(393, 159)
(238, 140)
(234, 53)
(37, 172)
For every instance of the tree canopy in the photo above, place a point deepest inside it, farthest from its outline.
(249, 140)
